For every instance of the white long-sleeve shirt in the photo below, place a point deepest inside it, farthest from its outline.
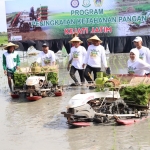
(144, 54)
(10, 61)
(138, 67)
(46, 59)
(96, 55)
(77, 55)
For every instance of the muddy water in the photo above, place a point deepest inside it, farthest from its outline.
(40, 126)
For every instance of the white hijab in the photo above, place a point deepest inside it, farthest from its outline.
(136, 52)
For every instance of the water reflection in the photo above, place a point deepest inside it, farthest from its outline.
(40, 126)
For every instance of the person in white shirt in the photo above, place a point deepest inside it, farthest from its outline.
(46, 57)
(11, 62)
(76, 58)
(136, 65)
(144, 52)
(95, 55)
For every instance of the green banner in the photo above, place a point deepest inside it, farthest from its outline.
(44, 20)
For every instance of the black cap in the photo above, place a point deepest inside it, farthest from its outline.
(44, 45)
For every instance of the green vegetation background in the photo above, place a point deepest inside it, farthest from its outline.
(3, 38)
(58, 31)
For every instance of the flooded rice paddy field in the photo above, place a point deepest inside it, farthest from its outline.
(39, 125)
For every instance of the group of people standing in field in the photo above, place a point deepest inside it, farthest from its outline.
(81, 60)
(86, 62)
(90, 61)
(11, 60)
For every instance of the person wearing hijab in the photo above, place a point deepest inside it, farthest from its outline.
(76, 58)
(136, 65)
(144, 52)
(11, 62)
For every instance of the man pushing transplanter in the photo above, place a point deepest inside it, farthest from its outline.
(95, 55)
(46, 57)
(11, 62)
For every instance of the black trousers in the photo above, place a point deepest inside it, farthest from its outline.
(10, 74)
(89, 70)
(81, 74)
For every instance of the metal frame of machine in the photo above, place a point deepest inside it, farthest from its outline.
(106, 106)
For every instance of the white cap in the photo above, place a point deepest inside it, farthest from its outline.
(137, 39)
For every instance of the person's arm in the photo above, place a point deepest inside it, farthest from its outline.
(84, 52)
(143, 65)
(38, 60)
(86, 57)
(148, 55)
(17, 62)
(4, 64)
(103, 57)
(70, 60)
(128, 67)
(53, 59)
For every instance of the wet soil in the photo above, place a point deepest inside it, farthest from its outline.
(39, 125)
(125, 30)
(32, 35)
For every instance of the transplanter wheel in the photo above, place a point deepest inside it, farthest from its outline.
(70, 120)
(49, 94)
(118, 107)
(98, 119)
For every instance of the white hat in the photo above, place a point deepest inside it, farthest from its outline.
(75, 39)
(137, 39)
(11, 44)
(95, 37)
